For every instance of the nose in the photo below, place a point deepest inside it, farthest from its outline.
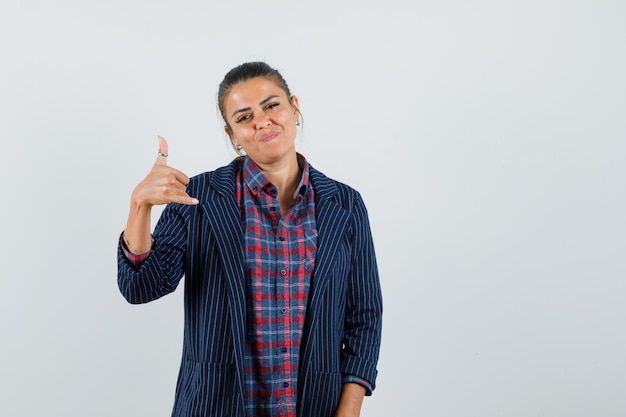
(263, 122)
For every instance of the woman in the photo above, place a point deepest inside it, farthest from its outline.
(282, 298)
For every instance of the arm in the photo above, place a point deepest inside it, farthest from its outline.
(159, 272)
(351, 399)
(363, 322)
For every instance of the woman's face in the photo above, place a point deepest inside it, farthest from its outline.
(262, 120)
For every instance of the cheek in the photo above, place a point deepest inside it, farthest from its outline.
(240, 133)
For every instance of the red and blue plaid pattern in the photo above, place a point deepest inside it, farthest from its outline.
(280, 257)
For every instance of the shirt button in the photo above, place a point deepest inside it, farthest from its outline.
(272, 208)
(283, 349)
(282, 239)
(283, 272)
(285, 384)
(284, 310)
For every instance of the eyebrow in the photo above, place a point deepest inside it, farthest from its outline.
(248, 108)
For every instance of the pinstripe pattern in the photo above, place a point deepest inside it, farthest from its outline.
(205, 244)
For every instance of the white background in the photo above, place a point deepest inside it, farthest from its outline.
(487, 139)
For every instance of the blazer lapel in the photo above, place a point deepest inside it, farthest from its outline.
(332, 222)
(223, 214)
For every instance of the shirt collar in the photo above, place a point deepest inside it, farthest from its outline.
(255, 180)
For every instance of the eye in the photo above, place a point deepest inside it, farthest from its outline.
(272, 105)
(243, 118)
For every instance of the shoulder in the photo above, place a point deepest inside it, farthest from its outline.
(219, 181)
(327, 188)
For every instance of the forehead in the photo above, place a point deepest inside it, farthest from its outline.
(252, 92)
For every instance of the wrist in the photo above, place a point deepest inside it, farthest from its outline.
(138, 204)
(136, 250)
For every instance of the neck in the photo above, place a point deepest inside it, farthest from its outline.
(285, 175)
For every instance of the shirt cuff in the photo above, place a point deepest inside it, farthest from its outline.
(134, 260)
(360, 381)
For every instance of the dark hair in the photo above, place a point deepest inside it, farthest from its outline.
(245, 72)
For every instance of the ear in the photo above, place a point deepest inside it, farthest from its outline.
(228, 132)
(295, 105)
(230, 135)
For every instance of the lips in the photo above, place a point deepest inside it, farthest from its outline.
(268, 136)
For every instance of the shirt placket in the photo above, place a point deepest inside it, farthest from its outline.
(284, 290)
(280, 299)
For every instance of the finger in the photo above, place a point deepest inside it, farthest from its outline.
(163, 151)
(186, 199)
(179, 183)
(181, 177)
(172, 175)
(180, 197)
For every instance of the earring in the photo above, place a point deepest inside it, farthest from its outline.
(239, 147)
(298, 123)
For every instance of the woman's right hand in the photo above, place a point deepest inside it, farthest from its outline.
(163, 184)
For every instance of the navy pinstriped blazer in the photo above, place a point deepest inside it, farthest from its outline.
(342, 331)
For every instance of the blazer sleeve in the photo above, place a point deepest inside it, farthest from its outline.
(163, 269)
(363, 322)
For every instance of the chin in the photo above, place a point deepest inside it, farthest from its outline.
(272, 156)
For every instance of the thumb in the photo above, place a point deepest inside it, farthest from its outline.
(163, 149)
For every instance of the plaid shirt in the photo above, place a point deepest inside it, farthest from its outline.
(280, 257)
